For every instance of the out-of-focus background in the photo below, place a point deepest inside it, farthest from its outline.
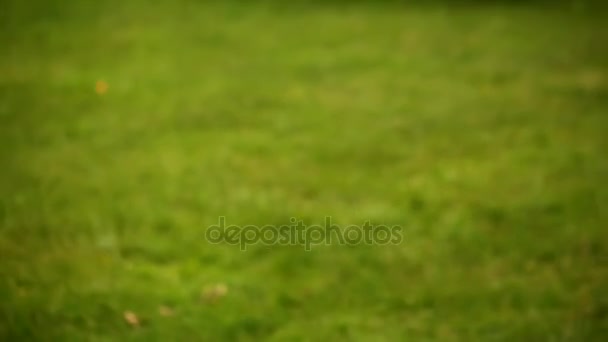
(128, 127)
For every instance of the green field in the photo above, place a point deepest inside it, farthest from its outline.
(480, 128)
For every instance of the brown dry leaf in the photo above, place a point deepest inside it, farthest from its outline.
(214, 292)
(101, 87)
(131, 318)
(165, 311)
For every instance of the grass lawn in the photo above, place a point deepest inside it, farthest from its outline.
(481, 129)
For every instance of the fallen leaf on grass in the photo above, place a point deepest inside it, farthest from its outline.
(214, 292)
(165, 311)
(101, 87)
(131, 318)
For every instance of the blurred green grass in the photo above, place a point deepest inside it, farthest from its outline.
(479, 128)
